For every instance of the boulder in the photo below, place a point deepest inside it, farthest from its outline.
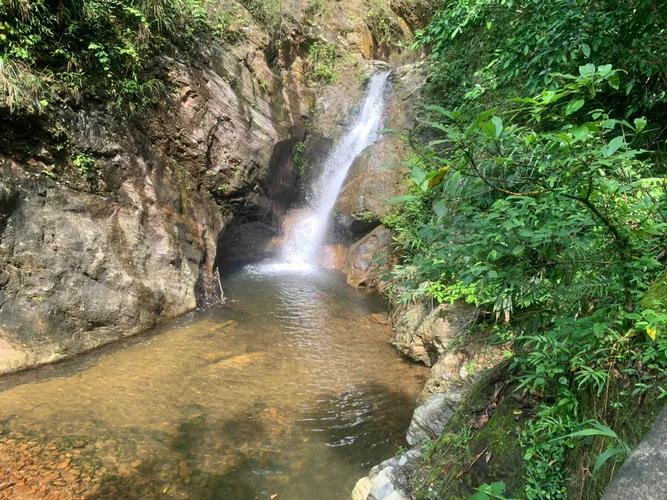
(376, 177)
(390, 480)
(423, 332)
(369, 258)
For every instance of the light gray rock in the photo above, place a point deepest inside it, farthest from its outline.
(390, 480)
(644, 475)
(429, 419)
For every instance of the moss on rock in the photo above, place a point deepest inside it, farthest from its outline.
(479, 444)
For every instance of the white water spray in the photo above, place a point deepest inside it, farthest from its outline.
(306, 236)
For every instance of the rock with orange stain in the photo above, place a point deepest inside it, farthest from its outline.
(334, 257)
(369, 258)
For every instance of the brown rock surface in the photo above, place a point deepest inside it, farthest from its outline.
(378, 174)
(369, 258)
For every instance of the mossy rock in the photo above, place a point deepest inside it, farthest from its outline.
(479, 445)
(656, 295)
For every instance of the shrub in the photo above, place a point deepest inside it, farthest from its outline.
(549, 217)
(97, 48)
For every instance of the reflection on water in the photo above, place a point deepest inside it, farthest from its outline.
(292, 393)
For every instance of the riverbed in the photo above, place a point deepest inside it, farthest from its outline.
(291, 391)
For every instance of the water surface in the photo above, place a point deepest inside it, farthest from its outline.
(293, 392)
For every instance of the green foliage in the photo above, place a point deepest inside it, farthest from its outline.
(299, 159)
(317, 7)
(97, 48)
(87, 168)
(322, 57)
(529, 41)
(488, 491)
(549, 216)
(267, 12)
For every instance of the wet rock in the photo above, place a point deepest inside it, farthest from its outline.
(334, 257)
(644, 474)
(429, 419)
(390, 480)
(378, 175)
(369, 258)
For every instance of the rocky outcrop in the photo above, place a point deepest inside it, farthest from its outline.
(424, 333)
(83, 269)
(436, 337)
(429, 419)
(369, 259)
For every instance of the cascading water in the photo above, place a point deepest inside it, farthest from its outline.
(306, 236)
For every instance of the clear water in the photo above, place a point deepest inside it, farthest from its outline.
(291, 393)
(305, 238)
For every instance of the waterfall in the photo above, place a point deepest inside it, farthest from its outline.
(307, 235)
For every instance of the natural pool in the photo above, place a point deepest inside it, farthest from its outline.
(292, 392)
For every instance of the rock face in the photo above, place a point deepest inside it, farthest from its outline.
(429, 419)
(378, 174)
(127, 227)
(644, 474)
(424, 333)
(85, 269)
(131, 234)
(369, 258)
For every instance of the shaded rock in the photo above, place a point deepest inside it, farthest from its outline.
(369, 258)
(415, 13)
(429, 419)
(88, 259)
(644, 474)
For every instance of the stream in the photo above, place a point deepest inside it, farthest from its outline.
(293, 392)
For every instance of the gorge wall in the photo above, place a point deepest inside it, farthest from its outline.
(126, 230)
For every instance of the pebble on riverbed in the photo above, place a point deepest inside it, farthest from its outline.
(30, 470)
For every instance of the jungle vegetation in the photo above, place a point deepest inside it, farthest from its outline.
(538, 196)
